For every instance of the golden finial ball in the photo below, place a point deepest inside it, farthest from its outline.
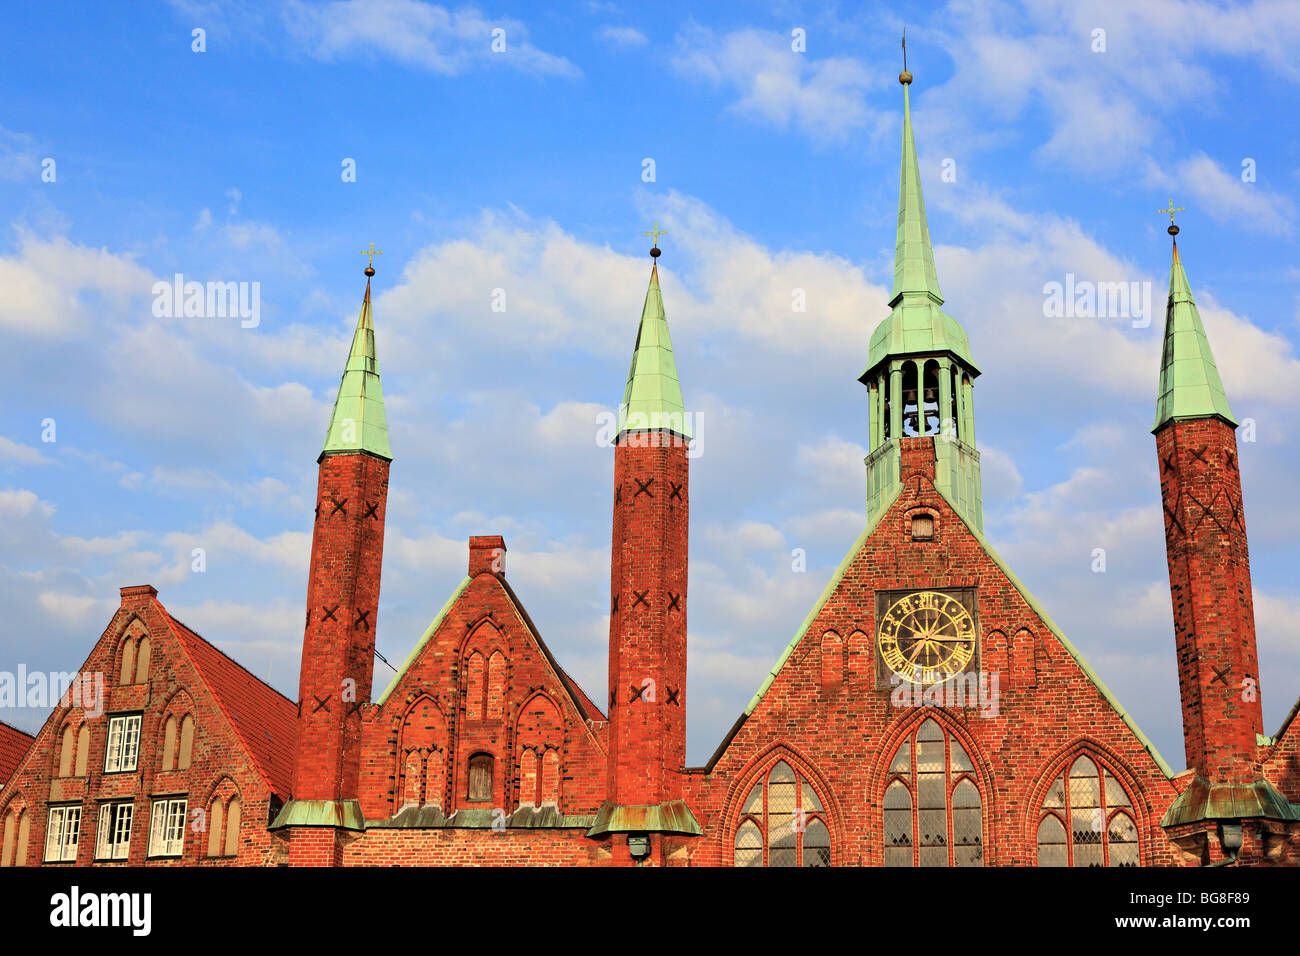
(905, 78)
(370, 270)
(1172, 230)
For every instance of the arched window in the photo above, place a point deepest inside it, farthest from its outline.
(435, 774)
(223, 827)
(127, 673)
(414, 779)
(83, 750)
(66, 751)
(782, 823)
(1087, 819)
(169, 745)
(186, 754)
(232, 826)
(17, 826)
(480, 778)
(142, 661)
(216, 828)
(527, 777)
(475, 686)
(932, 772)
(496, 685)
(551, 777)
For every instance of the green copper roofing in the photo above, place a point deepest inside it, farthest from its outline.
(653, 397)
(916, 324)
(1205, 801)
(674, 816)
(913, 257)
(1024, 593)
(1189, 380)
(358, 422)
(424, 639)
(345, 814)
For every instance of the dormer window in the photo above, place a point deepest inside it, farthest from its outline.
(923, 527)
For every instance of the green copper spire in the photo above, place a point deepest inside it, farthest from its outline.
(1189, 380)
(916, 322)
(913, 257)
(919, 373)
(358, 422)
(653, 397)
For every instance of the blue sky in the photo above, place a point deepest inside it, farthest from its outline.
(523, 171)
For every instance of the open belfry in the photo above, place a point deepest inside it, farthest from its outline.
(927, 712)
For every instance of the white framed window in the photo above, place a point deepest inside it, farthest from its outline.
(167, 827)
(113, 835)
(123, 752)
(62, 833)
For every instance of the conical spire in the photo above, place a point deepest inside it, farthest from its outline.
(916, 323)
(653, 397)
(359, 422)
(913, 257)
(1190, 386)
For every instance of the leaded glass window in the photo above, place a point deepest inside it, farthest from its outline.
(1087, 819)
(933, 814)
(782, 822)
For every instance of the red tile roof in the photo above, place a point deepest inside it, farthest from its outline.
(14, 745)
(265, 720)
(589, 709)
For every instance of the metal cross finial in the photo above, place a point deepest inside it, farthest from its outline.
(1172, 230)
(904, 49)
(371, 252)
(1171, 210)
(654, 238)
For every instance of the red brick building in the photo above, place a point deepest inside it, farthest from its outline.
(928, 712)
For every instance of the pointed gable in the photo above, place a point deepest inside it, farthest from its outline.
(263, 718)
(1007, 607)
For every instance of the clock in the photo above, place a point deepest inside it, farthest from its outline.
(926, 637)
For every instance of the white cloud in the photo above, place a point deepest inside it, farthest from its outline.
(821, 97)
(1225, 196)
(19, 453)
(622, 36)
(52, 284)
(417, 34)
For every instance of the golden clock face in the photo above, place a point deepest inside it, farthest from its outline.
(926, 637)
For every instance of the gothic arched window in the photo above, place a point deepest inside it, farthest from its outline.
(1087, 819)
(782, 823)
(932, 807)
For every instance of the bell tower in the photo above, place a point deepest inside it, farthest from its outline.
(920, 373)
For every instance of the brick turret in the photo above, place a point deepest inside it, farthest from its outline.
(342, 606)
(647, 631)
(1227, 807)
